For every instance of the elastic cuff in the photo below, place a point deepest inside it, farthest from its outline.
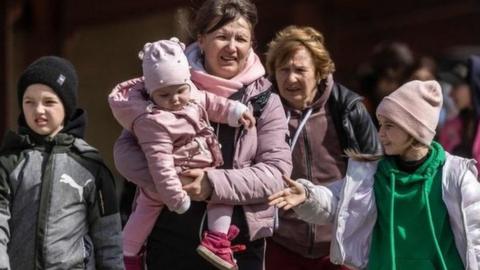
(184, 206)
(308, 186)
(236, 113)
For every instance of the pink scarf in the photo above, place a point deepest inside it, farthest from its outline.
(219, 86)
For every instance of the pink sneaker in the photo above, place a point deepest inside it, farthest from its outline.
(133, 262)
(217, 249)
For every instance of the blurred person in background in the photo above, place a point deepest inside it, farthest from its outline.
(425, 69)
(390, 66)
(460, 135)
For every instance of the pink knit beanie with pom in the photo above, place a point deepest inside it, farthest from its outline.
(415, 107)
(164, 64)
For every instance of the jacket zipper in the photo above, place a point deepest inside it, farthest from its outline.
(43, 209)
(308, 156)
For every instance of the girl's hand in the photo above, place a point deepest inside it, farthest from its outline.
(289, 197)
(247, 120)
(199, 189)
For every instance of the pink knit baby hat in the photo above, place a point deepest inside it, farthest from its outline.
(164, 64)
(415, 107)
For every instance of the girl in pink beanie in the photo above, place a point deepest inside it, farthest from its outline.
(175, 135)
(415, 207)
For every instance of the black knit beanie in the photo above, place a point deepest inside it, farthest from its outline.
(55, 72)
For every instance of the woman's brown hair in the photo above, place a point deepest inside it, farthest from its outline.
(355, 155)
(214, 14)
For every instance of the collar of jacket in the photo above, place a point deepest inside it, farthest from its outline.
(16, 141)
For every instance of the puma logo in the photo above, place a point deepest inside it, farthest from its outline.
(67, 179)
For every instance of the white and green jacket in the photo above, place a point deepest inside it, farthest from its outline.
(350, 205)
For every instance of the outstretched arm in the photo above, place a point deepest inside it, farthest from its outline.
(320, 204)
(290, 197)
(312, 203)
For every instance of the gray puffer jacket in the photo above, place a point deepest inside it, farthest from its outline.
(58, 206)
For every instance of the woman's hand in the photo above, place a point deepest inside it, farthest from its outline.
(289, 197)
(199, 189)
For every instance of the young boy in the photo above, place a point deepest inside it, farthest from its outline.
(58, 206)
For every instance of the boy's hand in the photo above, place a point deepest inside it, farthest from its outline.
(289, 197)
(247, 120)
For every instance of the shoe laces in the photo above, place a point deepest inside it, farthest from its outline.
(238, 247)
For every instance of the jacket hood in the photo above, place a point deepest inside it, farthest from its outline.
(474, 81)
(129, 100)
(13, 140)
(77, 124)
(27, 139)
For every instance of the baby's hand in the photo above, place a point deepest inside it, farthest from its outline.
(247, 119)
(289, 197)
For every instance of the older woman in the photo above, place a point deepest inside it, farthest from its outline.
(325, 118)
(223, 63)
